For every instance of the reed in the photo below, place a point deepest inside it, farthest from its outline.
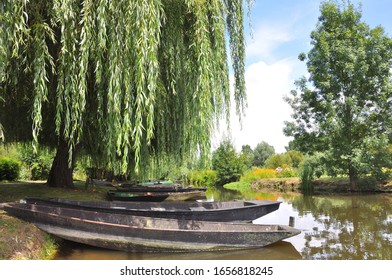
(307, 175)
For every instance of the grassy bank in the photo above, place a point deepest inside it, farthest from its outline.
(22, 240)
(320, 186)
(14, 191)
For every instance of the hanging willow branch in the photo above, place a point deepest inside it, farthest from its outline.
(143, 78)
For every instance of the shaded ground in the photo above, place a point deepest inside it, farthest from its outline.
(22, 240)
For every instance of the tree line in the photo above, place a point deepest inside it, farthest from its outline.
(135, 86)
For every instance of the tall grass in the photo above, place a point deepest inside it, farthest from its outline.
(205, 177)
(307, 175)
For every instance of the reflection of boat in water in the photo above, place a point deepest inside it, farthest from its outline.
(137, 233)
(281, 250)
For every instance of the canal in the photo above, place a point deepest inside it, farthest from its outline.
(334, 227)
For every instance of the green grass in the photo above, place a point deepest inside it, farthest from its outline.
(14, 191)
(240, 186)
(44, 246)
(49, 248)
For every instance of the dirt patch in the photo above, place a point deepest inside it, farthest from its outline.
(22, 241)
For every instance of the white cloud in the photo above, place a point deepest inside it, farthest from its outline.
(266, 85)
(272, 68)
(266, 39)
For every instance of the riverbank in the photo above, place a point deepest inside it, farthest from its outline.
(23, 241)
(320, 186)
(20, 240)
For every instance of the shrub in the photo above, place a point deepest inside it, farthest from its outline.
(37, 164)
(205, 177)
(279, 160)
(227, 163)
(287, 173)
(9, 169)
(40, 171)
(285, 160)
(307, 175)
(259, 173)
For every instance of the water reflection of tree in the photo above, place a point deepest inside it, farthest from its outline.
(349, 227)
(222, 194)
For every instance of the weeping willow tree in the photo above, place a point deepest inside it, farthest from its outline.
(131, 82)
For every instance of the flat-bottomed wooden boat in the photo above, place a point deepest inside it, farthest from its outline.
(137, 233)
(139, 196)
(223, 211)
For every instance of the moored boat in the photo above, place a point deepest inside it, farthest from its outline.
(139, 196)
(128, 195)
(138, 233)
(157, 188)
(224, 211)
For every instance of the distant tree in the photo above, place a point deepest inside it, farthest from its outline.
(344, 108)
(262, 152)
(282, 160)
(296, 158)
(247, 156)
(227, 163)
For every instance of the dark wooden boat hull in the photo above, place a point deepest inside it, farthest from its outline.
(157, 188)
(127, 196)
(154, 196)
(225, 211)
(137, 233)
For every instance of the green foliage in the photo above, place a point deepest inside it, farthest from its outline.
(9, 151)
(37, 164)
(278, 160)
(296, 158)
(287, 173)
(205, 177)
(9, 169)
(255, 174)
(131, 82)
(227, 163)
(261, 153)
(247, 156)
(239, 186)
(318, 163)
(343, 109)
(306, 177)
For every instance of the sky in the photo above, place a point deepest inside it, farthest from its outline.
(281, 31)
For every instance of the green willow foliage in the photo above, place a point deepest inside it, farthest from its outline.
(130, 79)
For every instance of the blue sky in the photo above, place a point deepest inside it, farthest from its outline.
(281, 30)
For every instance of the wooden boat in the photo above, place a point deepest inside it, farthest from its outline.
(128, 195)
(138, 233)
(224, 211)
(139, 196)
(157, 188)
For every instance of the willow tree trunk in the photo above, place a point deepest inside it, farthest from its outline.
(60, 175)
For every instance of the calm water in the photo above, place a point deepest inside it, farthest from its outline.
(333, 227)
